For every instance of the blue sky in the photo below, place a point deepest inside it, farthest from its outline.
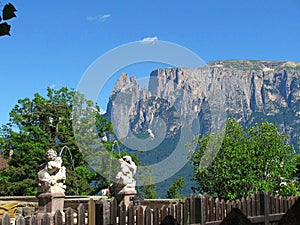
(54, 42)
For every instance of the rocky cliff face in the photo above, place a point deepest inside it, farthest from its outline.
(179, 99)
(247, 90)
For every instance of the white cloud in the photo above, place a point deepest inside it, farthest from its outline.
(105, 17)
(149, 40)
(100, 18)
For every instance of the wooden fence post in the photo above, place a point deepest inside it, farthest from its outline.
(222, 209)
(81, 215)
(171, 210)
(244, 206)
(130, 214)
(91, 212)
(248, 206)
(163, 212)
(281, 209)
(69, 217)
(122, 213)
(291, 201)
(113, 211)
(258, 203)
(238, 204)
(253, 205)
(45, 219)
(156, 216)
(178, 211)
(272, 204)
(58, 218)
(140, 216)
(33, 220)
(203, 209)
(5, 219)
(186, 210)
(148, 215)
(192, 209)
(211, 203)
(286, 208)
(197, 205)
(20, 220)
(266, 207)
(102, 213)
(217, 211)
(228, 207)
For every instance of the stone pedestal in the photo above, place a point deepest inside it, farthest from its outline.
(49, 203)
(124, 193)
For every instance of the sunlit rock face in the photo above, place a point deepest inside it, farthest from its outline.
(248, 90)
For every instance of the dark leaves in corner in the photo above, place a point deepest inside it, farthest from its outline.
(4, 29)
(8, 12)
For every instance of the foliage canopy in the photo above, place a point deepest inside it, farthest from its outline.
(251, 159)
(34, 127)
(173, 191)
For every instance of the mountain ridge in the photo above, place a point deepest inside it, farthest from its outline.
(248, 90)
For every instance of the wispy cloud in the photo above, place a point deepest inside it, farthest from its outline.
(101, 18)
(149, 40)
(105, 17)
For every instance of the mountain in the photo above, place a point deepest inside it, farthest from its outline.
(180, 103)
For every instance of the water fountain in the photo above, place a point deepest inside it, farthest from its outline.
(73, 166)
(123, 187)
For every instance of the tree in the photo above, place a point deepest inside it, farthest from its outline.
(34, 127)
(8, 12)
(147, 188)
(173, 191)
(249, 159)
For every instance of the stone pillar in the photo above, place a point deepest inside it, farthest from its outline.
(124, 193)
(49, 203)
(127, 195)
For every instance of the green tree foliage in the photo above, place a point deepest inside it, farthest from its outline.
(147, 188)
(256, 158)
(173, 191)
(34, 127)
(297, 160)
(8, 12)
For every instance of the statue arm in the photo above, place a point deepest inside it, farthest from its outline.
(132, 167)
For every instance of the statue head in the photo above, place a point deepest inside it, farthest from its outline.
(51, 155)
(127, 158)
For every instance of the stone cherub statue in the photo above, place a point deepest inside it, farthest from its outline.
(127, 169)
(52, 176)
(124, 184)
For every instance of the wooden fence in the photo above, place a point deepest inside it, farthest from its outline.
(70, 217)
(260, 208)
